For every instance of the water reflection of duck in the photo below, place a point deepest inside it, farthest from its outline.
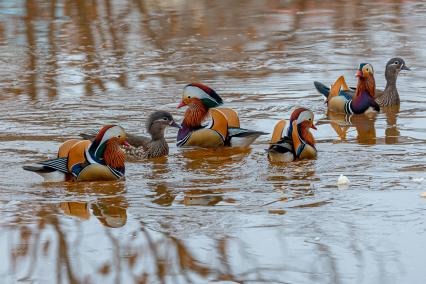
(110, 210)
(82, 160)
(212, 159)
(391, 133)
(225, 128)
(144, 147)
(364, 125)
(363, 99)
(387, 97)
(295, 143)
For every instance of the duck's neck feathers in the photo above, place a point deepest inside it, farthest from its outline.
(390, 95)
(195, 115)
(367, 85)
(113, 155)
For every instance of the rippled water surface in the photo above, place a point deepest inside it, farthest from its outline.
(204, 216)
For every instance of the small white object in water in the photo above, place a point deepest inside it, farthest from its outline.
(418, 179)
(179, 197)
(423, 194)
(343, 180)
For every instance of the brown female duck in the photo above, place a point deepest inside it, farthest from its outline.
(142, 147)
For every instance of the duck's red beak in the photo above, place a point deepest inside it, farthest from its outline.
(182, 104)
(314, 127)
(358, 74)
(125, 143)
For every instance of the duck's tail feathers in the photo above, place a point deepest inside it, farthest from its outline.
(51, 170)
(58, 164)
(240, 137)
(38, 169)
(323, 89)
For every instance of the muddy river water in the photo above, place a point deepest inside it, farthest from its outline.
(211, 216)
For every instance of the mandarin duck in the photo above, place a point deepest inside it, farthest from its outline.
(141, 147)
(297, 142)
(363, 99)
(385, 98)
(224, 129)
(83, 160)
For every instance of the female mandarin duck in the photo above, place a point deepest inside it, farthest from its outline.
(363, 99)
(385, 98)
(141, 147)
(298, 142)
(82, 160)
(225, 127)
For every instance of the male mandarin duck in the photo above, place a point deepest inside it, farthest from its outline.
(83, 160)
(225, 127)
(141, 147)
(363, 99)
(387, 97)
(298, 142)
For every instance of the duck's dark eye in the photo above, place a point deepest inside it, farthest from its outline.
(368, 70)
(189, 97)
(396, 63)
(119, 136)
(165, 118)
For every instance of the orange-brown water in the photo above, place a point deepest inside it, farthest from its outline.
(204, 215)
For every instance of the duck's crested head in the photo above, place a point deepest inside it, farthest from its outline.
(158, 121)
(366, 81)
(198, 93)
(397, 64)
(303, 117)
(393, 67)
(109, 132)
(106, 146)
(365, 70)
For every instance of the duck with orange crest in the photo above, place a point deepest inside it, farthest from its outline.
(224, 129)
(293, 140)
(339, 100)
(83, 160)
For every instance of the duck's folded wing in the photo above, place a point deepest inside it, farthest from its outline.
(219, 122)
(138, 141)
(278, 131)
(231, 116)
(379, 94)
(337, 87)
